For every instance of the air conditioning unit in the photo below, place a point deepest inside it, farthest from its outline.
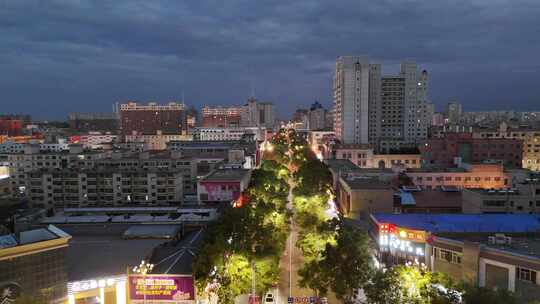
(499, 239)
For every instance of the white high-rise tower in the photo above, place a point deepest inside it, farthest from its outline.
(354, 80)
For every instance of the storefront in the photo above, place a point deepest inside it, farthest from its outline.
(133, 289)
(106, 290)
(398, 245)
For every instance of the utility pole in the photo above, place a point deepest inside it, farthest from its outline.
(253, 280)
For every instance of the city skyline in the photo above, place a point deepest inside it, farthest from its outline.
(70, 57)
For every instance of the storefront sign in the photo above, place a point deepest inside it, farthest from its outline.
(161, 289)
(408, 241)
(85, 285)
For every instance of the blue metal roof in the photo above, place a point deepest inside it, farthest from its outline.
(482, 223)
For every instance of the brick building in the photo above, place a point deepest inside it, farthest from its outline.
(221, 117)
(443, 151)
(11, 127)
(149, 119)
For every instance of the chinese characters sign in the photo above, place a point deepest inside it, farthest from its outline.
(161, 288)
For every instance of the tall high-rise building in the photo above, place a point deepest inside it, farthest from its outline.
(317, 117)
(149, 119)
(258, 114)
(454, 112)
(405, 113)
(352, 97)
(388, 111)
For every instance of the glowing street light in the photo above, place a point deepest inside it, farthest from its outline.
(143, 269)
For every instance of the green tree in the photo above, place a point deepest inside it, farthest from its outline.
(410, 285)
(313, 177)
(483, 295)
(344, 266)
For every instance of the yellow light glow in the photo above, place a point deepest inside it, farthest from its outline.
(403, 234)
(101, 295)
(121, 292)
(71, 299)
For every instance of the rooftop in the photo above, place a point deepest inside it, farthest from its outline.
(366, 183)
(462, 223)
(116, 254)
(226, 175)
(526, 245)
(32, 236)
(353, 146)
(436, 198)
(341, 165)
(177, 256)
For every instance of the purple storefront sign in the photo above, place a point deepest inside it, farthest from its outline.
(161, 288)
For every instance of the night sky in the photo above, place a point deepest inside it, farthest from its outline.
(67, 56)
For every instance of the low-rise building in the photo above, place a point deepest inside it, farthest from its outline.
(404, 160)
(529, 134)
(523, 198)
(416, 200)
(93, 140)
(483, 176)
(156, 141)
(358, 196)
(488, 250)
(223, 185)
(230, 133)
(364, 156)
(33, 262)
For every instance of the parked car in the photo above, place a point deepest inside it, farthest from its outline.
(269, 298)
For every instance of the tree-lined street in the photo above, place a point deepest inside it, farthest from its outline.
(284, 236)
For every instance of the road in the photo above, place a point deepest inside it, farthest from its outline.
(290, 262)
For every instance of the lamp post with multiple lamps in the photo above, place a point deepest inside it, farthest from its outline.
(143, 269)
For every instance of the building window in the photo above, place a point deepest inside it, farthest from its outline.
(448, 256)
(524, 274)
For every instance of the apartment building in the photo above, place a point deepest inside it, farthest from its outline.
(93, 140)
(445, 150)
(157, 141)
(10, 126)
(528, 134)
(523, 197)
(353, 96)
(481, 176)
(91, 122)
(222, 117)
(390, 112)
(59, 189)
(148, 119)
(33, 158)
(230, 133)
(317, 117)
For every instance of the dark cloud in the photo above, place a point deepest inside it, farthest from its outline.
(67, 55)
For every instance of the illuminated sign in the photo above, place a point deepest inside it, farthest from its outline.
(408, 241)
(78, 286)
(161, 288)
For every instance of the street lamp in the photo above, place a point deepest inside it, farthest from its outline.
(143, 269)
